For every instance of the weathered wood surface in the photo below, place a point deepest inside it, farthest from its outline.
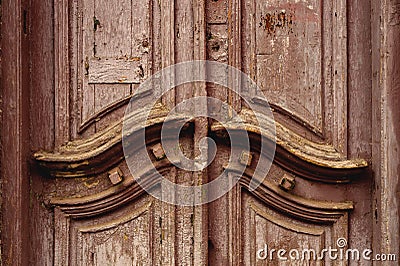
(71, 211)
(15, 148)
(102, 151)
(320, 86)
(386, 129)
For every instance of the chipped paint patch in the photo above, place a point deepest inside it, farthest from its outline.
(272, 21)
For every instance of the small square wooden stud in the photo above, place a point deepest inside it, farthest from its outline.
(158, 151)
(246, 158)
(116, 176)
(287, 183)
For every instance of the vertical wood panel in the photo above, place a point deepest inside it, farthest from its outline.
(112, 39)
(235, 48)
(77, 69)
(339, 55)
(15, 133)
(87, 95)
(166, 212)
(108, 36)
(61, 64)
(167, 43)
(42, 124)
(385, 121)
(360, 117)
(218, 210)
(200, 213)
(289, 48)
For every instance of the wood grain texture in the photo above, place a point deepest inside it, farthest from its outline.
(15, 133)
(217, 50)
(79, 210)
(167, 42)
(42, 127)
(121, 239)
(112, 71)
(76, 158)
(289, 49)
(385, 118)
(321, 79)
(61, 66)
(112, 59)
(107, 45)
(360, 117)
(85, 96)
(263, 226)
(201, 129)
(297, 53)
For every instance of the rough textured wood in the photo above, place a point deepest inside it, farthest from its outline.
(386, 117)
(115, 45)
(61, 66)
(360, 118)
(121, 239)
(114, 71)
(79, 157)
(201, 128)
(217, 50)
(42, 127)
(316, 135)
(85, 97)
(15, 133)
(105, 43)
(296, 51)
(289, 48)
(73, 210)
(263, 226)
(167, 42)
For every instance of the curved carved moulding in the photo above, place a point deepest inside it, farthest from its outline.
(101, 152)
(293, 205)
(315, 220)
(113, 198)
(294, 153)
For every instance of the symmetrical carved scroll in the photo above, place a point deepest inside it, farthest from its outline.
(104, 150)
(267, 207)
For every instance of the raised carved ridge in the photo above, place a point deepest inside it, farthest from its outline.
(115, 197)
(104, 150)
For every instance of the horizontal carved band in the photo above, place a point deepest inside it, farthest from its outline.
(294, 153)
(129, 191)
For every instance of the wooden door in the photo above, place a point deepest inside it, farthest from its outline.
(312, 61)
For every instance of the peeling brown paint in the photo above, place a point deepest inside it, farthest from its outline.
(272, 21)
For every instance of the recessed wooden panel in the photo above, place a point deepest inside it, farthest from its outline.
(264, 228)
(122, 237)
(115, 51)
(296, 52)
(121, 242)
(289, 53)
(104, 51)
